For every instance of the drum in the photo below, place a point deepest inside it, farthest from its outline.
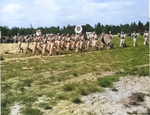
(106, 38)
(78, 29)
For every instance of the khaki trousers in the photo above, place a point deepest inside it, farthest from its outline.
(51, 48)
(134, 41)
(145, 40)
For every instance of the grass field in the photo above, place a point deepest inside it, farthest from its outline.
(40, 83)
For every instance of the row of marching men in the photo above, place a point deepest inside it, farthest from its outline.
(47, 42)
(134, 35)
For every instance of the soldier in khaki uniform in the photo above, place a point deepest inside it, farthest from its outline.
(68, 41)
(96, 40)
(88, 41)
(58, 38)
(81, 41)
(19, 43)
(111, 37)
(39, 45)
(122, 40)
(73, 41)
(35, 42)
(28, 43)
(44, 43)
(77, 42)
(62, 41)
(52, 44)
(134, 38)
(146, 36)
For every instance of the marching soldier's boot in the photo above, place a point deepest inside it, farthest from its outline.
(96, 48)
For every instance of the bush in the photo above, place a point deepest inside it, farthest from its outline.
(47, 107)
(83, 91)
(70, 87)
(107, 81)
(62, 97)
(144, 71)
(76, 100)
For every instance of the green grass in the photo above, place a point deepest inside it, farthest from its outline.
(108, 81)
(49, 76)
(31, 111)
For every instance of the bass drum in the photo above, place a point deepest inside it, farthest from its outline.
(106, 39)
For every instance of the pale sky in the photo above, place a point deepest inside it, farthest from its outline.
(47, 13)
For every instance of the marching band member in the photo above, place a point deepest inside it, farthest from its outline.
(134, 38)
(122, 40)
(52, 44)
(96, 40)
(73, 41)
(77, 41)
(81, 41)
(102, 40)
(44, 43)
(88, 41)
(28, 42)
(111, 36)
(68, 41)
(57, 42)
(91, 37)
(20, 39)
(39, 43)
(62, 41)
(35, 44)
(145, 35)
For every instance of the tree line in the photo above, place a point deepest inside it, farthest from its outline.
(99, 28)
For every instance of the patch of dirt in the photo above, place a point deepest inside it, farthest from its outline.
(8, 47)
(139, 66)
(49, 73)
(132, 97)
(89, 77)
(31, 57)
(15, 109)
(27, 68)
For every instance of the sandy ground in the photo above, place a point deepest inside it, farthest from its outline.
(132, 97)
(12, 47)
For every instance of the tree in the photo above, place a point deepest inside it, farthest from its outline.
(133, 27)
(98, 28)
(146, 26)
(140, 27)
(4, 31)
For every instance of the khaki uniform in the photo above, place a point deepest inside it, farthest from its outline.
(52, 45)
(145, 35)
(44, 45)
(96, 41)
(88, 41)
(35, 44)
(77, 41)
(134, 38)
(19, 43)
(73, 41)
(68, 42)
(122, 40)
(28, 43)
